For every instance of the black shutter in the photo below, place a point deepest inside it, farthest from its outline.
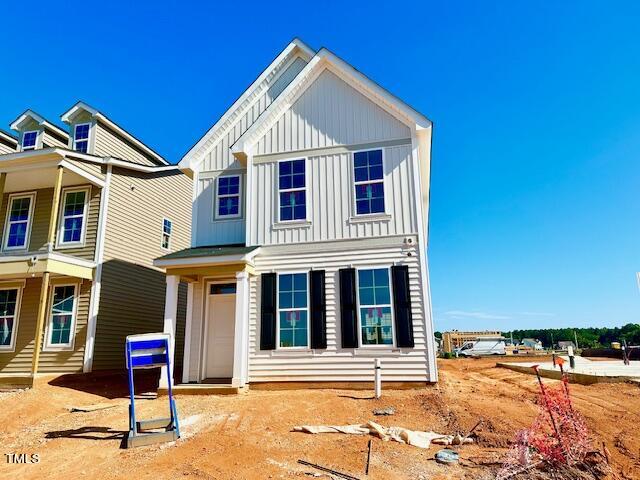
(318, 309)
(402, 306)
(268, 312)
(348, 308)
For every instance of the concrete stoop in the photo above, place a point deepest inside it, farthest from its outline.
(204, 389)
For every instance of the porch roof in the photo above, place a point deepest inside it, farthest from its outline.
(210, 251)
(212, 255)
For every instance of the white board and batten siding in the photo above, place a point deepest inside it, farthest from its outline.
(220, 161)
(335, 364)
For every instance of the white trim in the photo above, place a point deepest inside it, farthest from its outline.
(232, 112)
(241, 331)
(354, 208)
(169, 324)
(295, 221)
(163, 233)
(60, 243)
(81, 172)
(15, 196)
(75, 139)
(307, 309)
(48, 346)
(35, 145)
(207, 260)
(324, 59)
(39, 119)
(16, 315)
(391, 345)
(216, 200)
(96, 287)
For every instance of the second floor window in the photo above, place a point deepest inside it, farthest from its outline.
(369, 182)
(29, 140)
(18, 222)
(74, 213)
(228, 197)
(167, 227)
(81, 137)
(292, 194)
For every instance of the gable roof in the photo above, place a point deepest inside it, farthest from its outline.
(195, 154)
(322, 60)
(67, 117)
(30, 114)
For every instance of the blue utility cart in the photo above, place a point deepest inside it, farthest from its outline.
(150, 350)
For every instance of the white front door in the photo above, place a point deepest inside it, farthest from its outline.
(220, 331)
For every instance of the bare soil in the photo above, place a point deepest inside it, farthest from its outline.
(249, 436)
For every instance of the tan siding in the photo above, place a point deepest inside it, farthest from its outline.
(51, 140)
(92, 168)
(133, 291)
(107, 143)
(4, 148)
(19, 361)
(40, 222)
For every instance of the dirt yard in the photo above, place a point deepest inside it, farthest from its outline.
(249, 436)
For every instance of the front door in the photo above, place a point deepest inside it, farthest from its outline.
(220, 332)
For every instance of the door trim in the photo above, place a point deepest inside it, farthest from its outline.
(205, 324)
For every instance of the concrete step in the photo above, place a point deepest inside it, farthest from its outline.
(204, 389)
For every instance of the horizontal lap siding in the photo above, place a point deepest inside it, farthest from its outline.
(109, 144)
(329, 113)
(334, 363)
(212, 231)
(19, 361)
(4, 148)
(330, 201)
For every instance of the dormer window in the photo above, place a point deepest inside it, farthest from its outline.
(29, 140)
(81, 137)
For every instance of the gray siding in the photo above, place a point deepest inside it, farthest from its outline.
(330, 201)
(330, 112)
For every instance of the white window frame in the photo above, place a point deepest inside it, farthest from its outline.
(307, 196)
(48, 346)
(27, 238)
(354, 184)
(88, 139)
(169, 235)
(16, 317)
(35, 146)
(391, 345)
(278, 310)
(216, 215)
(60, 243)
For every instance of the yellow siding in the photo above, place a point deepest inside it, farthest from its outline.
(70, 361)
(108, 143)
(40, 223)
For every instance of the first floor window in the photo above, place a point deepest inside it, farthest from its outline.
(374, 300)
(369, 182)
(167, 227)
(81, 137)
(293, 310)
(18, 221)
(291, 188)
(29, 140)
(8, 309)
(62, 315)
(228, 197)
(74, 212)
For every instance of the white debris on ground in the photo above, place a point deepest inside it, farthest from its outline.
(415, 438)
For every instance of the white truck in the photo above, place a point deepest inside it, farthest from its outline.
(482, 346)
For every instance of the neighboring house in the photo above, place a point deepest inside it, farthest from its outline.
(8, 143)
(308, 256)
(456, 338)
(83, 217)
(565, 344)
(532, 343)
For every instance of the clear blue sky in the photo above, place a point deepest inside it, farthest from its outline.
(535, 216)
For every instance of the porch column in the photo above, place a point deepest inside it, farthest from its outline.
(241, 334)
(170, 314)
(186, 360)
(44, 289)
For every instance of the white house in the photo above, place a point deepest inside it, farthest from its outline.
(309, 233)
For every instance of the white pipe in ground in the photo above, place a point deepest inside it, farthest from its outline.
(378, 377)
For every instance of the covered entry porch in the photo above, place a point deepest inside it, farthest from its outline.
(216, 345)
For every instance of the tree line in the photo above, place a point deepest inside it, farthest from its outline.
(587, 337)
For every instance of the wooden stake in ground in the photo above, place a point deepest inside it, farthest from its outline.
(328, 470)
(366, 470)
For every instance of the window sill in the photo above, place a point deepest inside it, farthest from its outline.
(375, 217)
(375, 351)
(292, 224)
(227, 219)
(67, 246)
(301, 352)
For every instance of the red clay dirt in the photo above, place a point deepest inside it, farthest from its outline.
(249, 436)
